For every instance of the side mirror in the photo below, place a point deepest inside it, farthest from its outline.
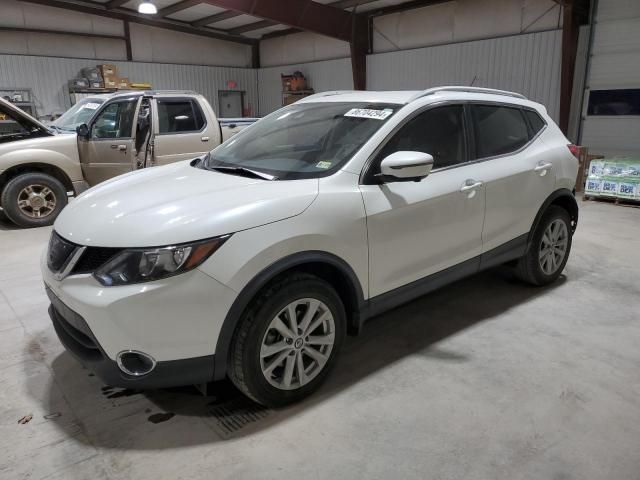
(83, 130)
(406, 166)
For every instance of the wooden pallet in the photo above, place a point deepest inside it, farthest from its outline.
(625, 202)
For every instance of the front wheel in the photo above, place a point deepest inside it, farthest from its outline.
(288, 340)
(549, 250)
(33, 199)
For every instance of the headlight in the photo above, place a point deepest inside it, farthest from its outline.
(146, 264)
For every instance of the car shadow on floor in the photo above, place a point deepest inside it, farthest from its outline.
(416, 328)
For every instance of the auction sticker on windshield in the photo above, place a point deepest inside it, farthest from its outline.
(91, 106)
(369, 113)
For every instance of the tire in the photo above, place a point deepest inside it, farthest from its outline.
(537, 268)
(45, 197)
(249, 357)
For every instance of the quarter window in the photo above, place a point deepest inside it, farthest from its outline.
(535, 122)
(179, 116)
(498, 130)
(438, 132)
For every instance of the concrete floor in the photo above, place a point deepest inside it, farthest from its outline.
(485, 379)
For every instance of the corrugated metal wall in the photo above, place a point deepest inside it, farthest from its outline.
(529, 64)
(614, 64)
(48, 77)
(323, 76)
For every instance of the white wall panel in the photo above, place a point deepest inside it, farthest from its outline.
(529, 64)
(299, 48)
(614, 64)
(150, 44)
(48, 77)
(462, 20)
(322, 76)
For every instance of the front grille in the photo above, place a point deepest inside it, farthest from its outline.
(59, 252)
(93, 258)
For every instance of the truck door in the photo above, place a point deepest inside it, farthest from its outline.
(181, 130)
(108, 148)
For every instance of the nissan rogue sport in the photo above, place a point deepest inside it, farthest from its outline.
(255, 260)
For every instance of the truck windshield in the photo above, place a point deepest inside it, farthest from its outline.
(304, 140)
(80, 113)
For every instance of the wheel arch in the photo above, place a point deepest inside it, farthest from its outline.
(36, 167)
(563, 198)
(324, 265)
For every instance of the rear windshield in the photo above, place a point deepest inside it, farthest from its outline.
(304, 140)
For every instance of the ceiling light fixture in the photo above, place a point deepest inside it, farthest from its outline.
(147, 8)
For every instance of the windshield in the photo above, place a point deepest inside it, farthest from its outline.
(80, 113)
(304, 140)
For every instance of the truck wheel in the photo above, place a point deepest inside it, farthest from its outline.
(33, 199)
(288, 340)
(549, 250)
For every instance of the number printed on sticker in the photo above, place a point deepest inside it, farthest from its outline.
(369, 113)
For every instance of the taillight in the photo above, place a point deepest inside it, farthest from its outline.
(574, 149)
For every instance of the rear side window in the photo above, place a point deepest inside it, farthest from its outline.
(535, 122)
(498, 130)
(179, 116)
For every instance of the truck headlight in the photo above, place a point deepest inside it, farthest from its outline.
(138, 265)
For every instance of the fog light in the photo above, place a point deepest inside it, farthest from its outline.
(135, 363)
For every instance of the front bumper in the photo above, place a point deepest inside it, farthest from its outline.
(176, 321)
(78, 339)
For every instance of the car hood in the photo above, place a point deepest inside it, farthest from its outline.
(60, 142)
(178, 203)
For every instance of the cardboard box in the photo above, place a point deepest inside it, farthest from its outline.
(124, 83)
(111, 81)
(108, 70)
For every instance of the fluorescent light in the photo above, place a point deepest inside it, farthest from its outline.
(148, 8)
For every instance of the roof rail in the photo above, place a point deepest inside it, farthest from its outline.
(492, 91)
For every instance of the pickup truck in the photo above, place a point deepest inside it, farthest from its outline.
(100, 137)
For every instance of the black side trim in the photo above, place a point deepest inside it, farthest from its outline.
(509, 251)
(260, 280)
(506, 252)
(386, 301)
(566, 198)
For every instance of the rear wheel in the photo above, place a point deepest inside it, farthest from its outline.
(288, 340)
(549, 249)
(33, 199)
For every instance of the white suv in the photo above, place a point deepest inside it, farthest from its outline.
(256, 260)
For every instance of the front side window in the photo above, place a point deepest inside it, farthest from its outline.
(498, 130)
(115, 120)
(438, 132)
(304, 140)
(179, 116)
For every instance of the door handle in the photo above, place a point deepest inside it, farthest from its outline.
(542, 168)
(470, 185)
(204, 139)
(122, 148)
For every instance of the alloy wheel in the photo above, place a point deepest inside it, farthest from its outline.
(297, 344)
(553, 246)
(37, 201)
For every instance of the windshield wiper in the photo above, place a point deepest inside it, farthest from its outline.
(243, 171)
